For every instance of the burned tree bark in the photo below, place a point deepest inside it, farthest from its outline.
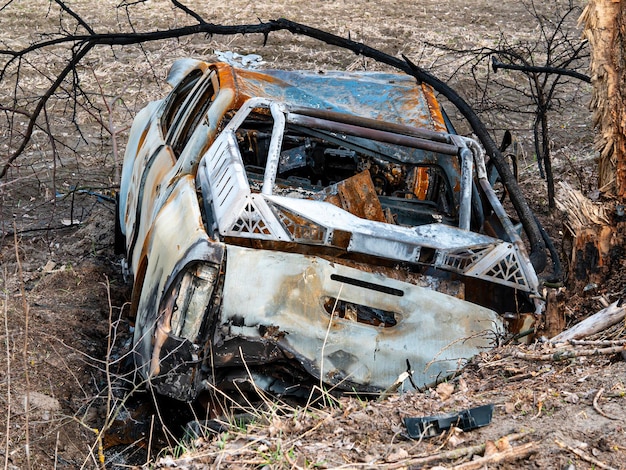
(605, 23)
(592, 239)
(595, 233)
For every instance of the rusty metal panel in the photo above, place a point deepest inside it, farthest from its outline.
(357, 195)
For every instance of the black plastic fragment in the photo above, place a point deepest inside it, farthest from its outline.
(431, 426)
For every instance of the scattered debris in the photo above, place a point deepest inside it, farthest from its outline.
(248, 61)
(466, 420)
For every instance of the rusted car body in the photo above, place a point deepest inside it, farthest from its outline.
(294, 228)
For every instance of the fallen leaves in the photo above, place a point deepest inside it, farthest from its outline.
(445, 390)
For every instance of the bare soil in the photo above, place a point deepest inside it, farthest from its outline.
(63, 300)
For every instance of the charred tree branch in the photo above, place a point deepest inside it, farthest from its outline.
(497, 65)
(84, 43)
(189, 11)
(75, 15)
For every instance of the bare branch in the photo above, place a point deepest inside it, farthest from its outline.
(84, 43)
(189, 11)
(75, 15)
(496, 64)
(82, 52)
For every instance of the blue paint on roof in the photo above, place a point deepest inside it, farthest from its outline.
(385, 96)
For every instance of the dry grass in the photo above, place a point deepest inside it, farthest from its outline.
(356, 433)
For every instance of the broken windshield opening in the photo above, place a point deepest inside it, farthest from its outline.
(371, 179)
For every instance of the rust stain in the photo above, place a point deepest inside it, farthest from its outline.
(420, 186)
(142, 139)
(357, 195)
(435, 109)
(227, 79)
(249, 83)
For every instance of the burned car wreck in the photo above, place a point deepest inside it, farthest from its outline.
(300, 228)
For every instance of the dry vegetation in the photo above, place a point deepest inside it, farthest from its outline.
(62, 299)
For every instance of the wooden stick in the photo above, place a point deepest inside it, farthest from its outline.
(596, 406)
(520, 452)
(449, 455)
(597, 322)
(584, 456)
(600, 342)
(568, 353)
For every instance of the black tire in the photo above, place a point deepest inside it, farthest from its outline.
(120, 239)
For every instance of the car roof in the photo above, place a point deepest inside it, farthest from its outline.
(389, 97)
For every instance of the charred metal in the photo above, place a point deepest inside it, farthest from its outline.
(292, 228)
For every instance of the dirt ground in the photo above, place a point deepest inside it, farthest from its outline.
(63, 300)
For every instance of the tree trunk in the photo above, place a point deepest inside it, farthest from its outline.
(592, 242)
(605, 28)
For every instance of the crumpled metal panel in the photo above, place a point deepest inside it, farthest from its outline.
(389, 97)
(284, 294)
(357, 195)
(180, 218)
(327, 305)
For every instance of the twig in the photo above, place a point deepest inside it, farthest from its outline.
(26, 309)
(496, 64)
(189, 11)
(112, 129)
(596, 405)
(450, 454)
(520, 452)
(8, 379)
(584, 456)
(150, 441)
(56, 451)
(599, 342)
(393, 388)
(568, 354)
(74, 15)
(107, 368)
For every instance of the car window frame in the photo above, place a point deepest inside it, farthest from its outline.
(177, 99)
(192, 112)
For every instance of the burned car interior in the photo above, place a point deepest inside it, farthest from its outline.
(346, 165)
(299, 228)
(316, 159)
